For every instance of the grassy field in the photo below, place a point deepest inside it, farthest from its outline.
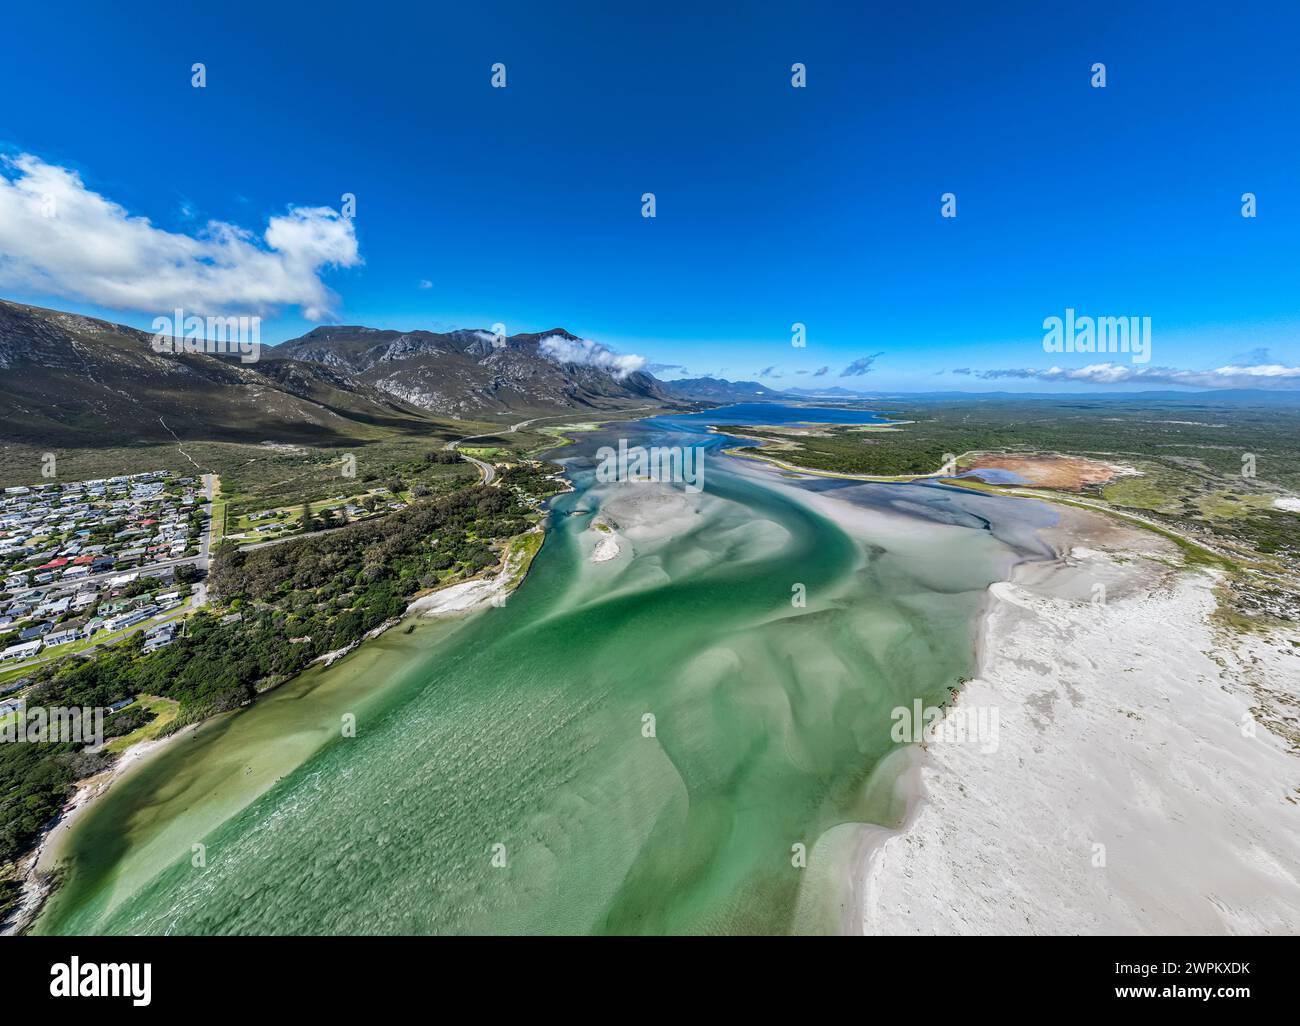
(165, 710)
(551, 433)
(521, 552)
(267, 469)
(283, 477)
(289, 518)
(218, 513)
(1196, 436)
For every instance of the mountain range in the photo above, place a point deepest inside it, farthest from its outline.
(70, 380)
(472, 374)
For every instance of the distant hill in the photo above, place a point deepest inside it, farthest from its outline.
(720, 390)
(1192, 398)
(834, 392)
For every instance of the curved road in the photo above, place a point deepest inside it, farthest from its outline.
(489, 472)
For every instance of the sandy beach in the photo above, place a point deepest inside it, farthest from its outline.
(478, 592)
(1143, 776)
(607, 546)
(1146, 777)
(37, 866)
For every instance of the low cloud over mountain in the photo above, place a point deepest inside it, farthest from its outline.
(563, 348)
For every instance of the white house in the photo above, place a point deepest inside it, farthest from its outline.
(23, 651)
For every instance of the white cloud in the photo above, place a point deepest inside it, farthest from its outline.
(860, 366)
(1268, 375)
(590, 354)
(61, 238)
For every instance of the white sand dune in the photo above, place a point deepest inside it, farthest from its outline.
(1142, 784)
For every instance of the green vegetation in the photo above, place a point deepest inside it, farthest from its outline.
(10, 890)
(161, 712)
(536, 479)
(520, 554)
(284, 605)
(289, 604)
(1193, 433)
(1190, 451)
(35, 781)
(284, 478)
(1193, 555)
(332, 588)
(1159, 489)
(555, 436)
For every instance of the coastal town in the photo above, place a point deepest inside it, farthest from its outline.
(91, 562)
(86, 565)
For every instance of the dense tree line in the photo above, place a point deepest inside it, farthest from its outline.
(35, 780)
(296, 601)
(404, 548)
(534, 478)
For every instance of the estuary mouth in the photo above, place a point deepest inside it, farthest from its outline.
(692, 710)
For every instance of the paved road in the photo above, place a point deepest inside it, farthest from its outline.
(488, 471)
(204, 560)
(54, 653)
(199, 592)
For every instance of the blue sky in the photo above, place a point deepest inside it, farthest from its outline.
(775, 205)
